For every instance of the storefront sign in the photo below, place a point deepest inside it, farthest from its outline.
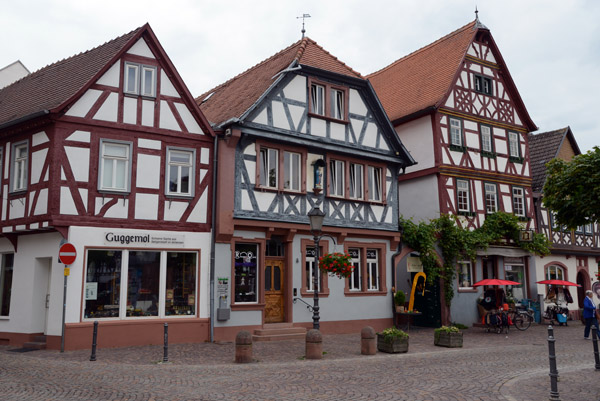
(223, 287)
(414, 264)
(526, 235)
(144, 240)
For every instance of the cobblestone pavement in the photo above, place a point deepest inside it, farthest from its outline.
(488, 367)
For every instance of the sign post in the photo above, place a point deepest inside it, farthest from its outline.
(67, 255)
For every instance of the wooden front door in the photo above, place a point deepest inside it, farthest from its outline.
(274, 304)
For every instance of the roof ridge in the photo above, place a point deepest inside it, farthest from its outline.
(330, 54)
(472, 24)
(35, 73)
(248, 70)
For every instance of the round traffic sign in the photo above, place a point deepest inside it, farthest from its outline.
(67, 253)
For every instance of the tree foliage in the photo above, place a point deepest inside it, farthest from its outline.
(572, 189)
(457, 243)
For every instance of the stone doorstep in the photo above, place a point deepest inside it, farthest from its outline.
(35, 345)
(279, 337)
(279, 332)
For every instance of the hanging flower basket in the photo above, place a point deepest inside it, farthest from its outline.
(336, 264)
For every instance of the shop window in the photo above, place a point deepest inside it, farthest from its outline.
(462, 196)
(180, 172)
(465, 275)
(143, 283)
(6, 276)
(115, 166)
(491, 198)
(103, 284)
(180, 294)
(140, 80)
(355, 278)
(555, 272)
(246, 273)
(518, 201)
(20, 164)
(515, 272)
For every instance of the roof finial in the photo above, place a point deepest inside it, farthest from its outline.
(304, 16)
(476, 14)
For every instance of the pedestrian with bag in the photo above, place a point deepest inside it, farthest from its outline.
(589, 314)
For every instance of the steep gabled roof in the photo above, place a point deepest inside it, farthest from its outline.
(544, 147)
(47, 89)
(234, 97)
(422, 80)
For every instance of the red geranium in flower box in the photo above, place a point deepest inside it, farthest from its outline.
(336, 264)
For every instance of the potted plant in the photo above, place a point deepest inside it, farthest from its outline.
(336, 264)
(448, 336)
(399, 299)
(392, 340)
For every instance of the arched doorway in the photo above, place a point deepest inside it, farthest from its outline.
(583, 280)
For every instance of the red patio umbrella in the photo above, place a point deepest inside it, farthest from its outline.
(495, 281)
(559, 282)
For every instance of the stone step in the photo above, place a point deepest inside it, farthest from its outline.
(279, 337)
(40, 339)
(274, 331)
(35, 345)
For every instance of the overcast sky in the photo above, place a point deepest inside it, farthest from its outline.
(551, 47)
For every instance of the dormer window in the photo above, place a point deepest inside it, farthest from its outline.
(140, 80)
(328, 101)
(483, 84)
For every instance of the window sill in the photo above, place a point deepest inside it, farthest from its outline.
(457, 148)
(113, 192)
(285, 191)
(515, 159)
(328, 118)
(136, 95)
(467, 214)
(248, 306)
(309, 294)
(378, 293)
(17, 193)
(490, 155)
(178, 197)
(4, 317)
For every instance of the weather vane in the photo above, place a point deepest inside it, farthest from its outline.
(476, 13)
(304, 16)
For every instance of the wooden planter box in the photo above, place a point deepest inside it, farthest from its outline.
(450, 340)
(396, 346)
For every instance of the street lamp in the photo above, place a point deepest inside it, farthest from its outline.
(316, 217)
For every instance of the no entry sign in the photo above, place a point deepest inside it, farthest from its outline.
(67, 253)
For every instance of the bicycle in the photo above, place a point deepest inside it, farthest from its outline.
(522, 317)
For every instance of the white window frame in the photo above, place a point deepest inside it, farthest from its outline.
(463, 191)
(588, 229)
(127, 159)
(491, 197)
(142, 86)
(19, 177)
(127, 81)
(555, 276)
(292, 171)
(357, 185)
(355, 279)
(519, 201)
(372, 270)
(180, 165)
(317, 93)
(486, 138)
(337, 104)
(148, 89)
(513, 145)
(456, 132)
(266, 167)
(462, 266)
(375, 182)
(312, 269)
(337, 169)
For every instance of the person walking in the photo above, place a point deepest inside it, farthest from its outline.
(589, 314)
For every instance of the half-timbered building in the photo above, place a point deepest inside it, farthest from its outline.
(106, 150)
(454, 104)
(575, 254)
(302, 130)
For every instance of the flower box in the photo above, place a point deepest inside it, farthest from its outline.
(450, 340)
(393, 346)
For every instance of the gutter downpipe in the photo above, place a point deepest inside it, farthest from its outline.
(212, 238)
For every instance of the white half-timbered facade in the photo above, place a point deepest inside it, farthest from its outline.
(313, 134)
(464, 122)
(106, 150)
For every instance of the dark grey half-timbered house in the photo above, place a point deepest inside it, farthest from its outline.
(297, 131)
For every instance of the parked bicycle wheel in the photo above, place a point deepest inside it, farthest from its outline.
(522, 322)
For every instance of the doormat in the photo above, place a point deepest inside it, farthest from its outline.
(23, 349)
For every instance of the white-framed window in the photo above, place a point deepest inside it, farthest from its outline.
(518, 201)
(122, 283)
(269, 167)
(336, 178)
(374, 182)
(310, 271)
(491, 198)
(588, 229)
(355, 279)
(292, 173)
(555, 272)
(317, 93)
(486, 139)
(180, 172)
(462, 195)
(115, 166)
(456, 137)
(337, 104)
(513, 144)
(20, 165)
(483, 84)
(6, 276)
(356, 181)
(372, 270)
(140, 80)
(465, 274)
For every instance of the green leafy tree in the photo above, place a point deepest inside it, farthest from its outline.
(572, 189)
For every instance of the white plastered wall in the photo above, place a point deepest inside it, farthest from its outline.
(417, 137)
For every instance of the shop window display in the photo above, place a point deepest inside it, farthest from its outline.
(143, 283)
(180, 298)
(246, 269)
(103, 284)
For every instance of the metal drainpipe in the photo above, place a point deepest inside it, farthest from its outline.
(212, 239)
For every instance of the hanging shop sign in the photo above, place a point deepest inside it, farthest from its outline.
(414, 264)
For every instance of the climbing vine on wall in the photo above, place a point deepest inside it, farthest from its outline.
(457, 243)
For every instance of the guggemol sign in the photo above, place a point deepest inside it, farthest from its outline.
(149, 240)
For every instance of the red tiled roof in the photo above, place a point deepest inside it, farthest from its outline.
(234, 97)
(423, 78)
(55, 84)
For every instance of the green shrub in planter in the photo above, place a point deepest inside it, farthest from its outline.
(392, 340)
(448, 336)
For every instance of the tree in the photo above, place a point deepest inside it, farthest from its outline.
(572, 189)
